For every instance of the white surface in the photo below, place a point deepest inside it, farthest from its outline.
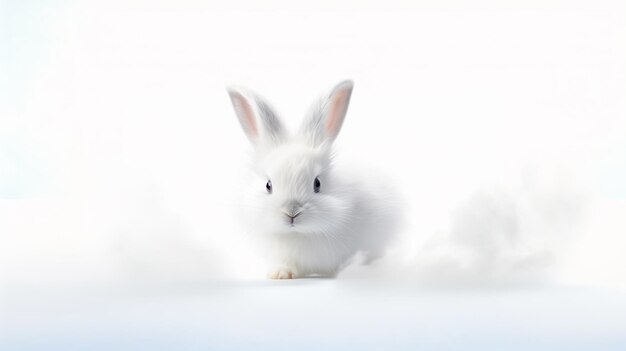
(312, 314)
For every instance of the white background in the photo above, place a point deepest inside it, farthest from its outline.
(502, 124)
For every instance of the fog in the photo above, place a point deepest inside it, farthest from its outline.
(121, 157)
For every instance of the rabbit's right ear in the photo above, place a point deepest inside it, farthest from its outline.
(326, 118)
(257, 118)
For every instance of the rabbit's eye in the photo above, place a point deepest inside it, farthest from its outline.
(268, 186)
(316, 185)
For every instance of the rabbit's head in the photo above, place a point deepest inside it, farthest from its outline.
(293, 189)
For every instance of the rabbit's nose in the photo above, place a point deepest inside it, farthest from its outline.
(292, 209)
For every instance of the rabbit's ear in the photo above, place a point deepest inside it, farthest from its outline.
(325, 119)
(257, 118)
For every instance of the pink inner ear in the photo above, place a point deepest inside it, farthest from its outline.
(337, 111)
(249, 116)
(246, 115)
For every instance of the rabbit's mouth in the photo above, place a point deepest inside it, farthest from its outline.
(291, 218)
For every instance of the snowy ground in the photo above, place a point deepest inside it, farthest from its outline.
(311, 314)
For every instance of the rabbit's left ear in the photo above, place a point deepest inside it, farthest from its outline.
(326, 118)
(258, 120)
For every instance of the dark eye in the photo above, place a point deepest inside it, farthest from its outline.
(316, 185)
(268, 186)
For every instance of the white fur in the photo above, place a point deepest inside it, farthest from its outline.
(348, 215)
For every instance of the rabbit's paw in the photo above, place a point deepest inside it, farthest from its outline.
(282, 272)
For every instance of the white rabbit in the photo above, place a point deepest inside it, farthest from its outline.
(313, 219)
